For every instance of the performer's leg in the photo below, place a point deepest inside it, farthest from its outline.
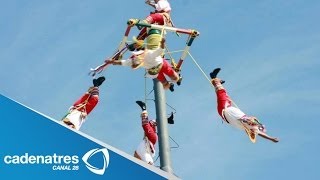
(155, 18)
(168, 70)
(223, 100)
(92, 95)
(166, 84)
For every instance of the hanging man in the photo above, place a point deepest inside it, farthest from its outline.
(234, 116)
(83, 106)
(146, 150)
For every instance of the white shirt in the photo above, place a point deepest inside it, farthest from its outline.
(76, 117)
(233, 116)
(163, 5)
(151, 58)
(146, 151)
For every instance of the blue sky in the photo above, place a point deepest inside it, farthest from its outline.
(269, 55)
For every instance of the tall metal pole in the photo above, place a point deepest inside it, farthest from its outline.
(163, 134)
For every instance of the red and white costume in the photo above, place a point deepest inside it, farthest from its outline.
(146, 149)
(82, 107)
(234, 116)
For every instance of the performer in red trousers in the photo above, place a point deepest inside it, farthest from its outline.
(232, 115)
(146, 151)
(83, 106)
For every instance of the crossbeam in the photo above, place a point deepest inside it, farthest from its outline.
(138, 23)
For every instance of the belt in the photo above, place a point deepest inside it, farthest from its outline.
(154, 31)
(155, 70)
(224, 118)
(162, 11)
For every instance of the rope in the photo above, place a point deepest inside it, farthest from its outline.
(173, 63)
(156, 159)
(175, 111)
(145, 88)
(171, 52)
(174, 142)
(195, 62)
(162, 32)
(77, 107)
(233, 103)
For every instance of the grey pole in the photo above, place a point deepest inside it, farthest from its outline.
(163, 134)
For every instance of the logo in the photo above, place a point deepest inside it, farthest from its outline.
(105, 156)
(58, 162)
(61, 162)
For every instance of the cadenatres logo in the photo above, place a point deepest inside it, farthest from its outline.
(105, 155)
(60, 162)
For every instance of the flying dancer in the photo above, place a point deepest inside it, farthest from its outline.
(234, 116)
(146, 150)
(79, 111)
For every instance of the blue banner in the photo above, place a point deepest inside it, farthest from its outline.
(36, 146)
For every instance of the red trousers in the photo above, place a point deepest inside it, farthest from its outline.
(86, 103)
(149, 129)
(156, 18)
(150, 132)
(165, 70)
(223, 100)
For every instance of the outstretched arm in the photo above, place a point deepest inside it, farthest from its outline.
(113, 62)
(127, 62)
(266, 136)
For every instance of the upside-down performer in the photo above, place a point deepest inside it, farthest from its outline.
(146, 150)
(79, 111)
(234, 116)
